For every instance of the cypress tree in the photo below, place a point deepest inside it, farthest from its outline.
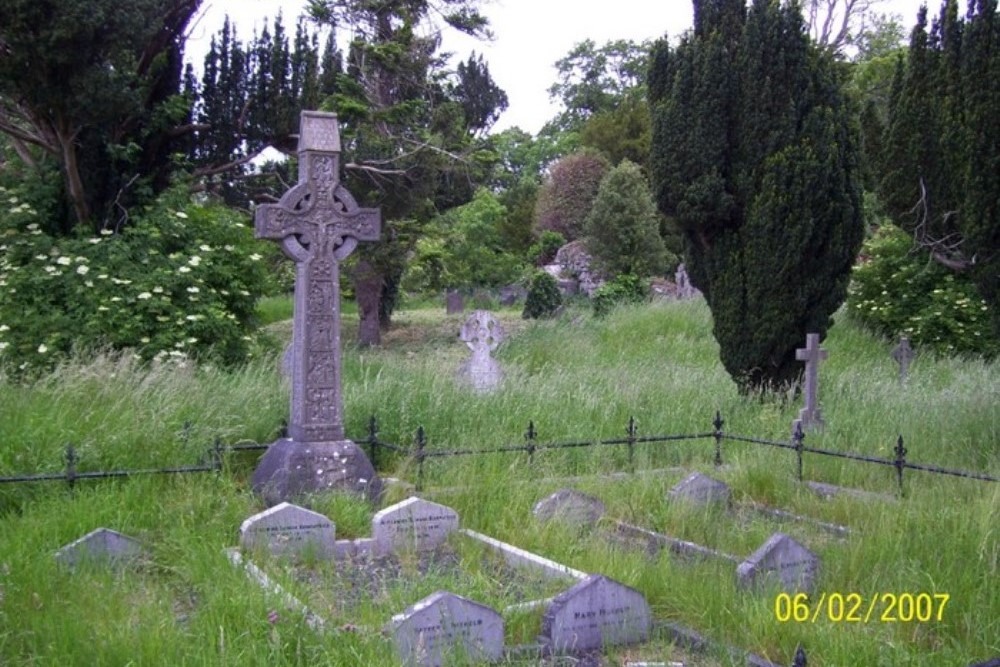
(755, 157)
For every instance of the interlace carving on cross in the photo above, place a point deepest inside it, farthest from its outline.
(482, 333)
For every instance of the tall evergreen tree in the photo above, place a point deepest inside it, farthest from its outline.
(755, 157)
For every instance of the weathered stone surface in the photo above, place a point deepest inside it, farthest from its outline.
(454, 303)
(903, 354)
(291, 471)
(594, 613)
(482, 333)
(444, 623)
(289, 530)
(781, 561)
(685, 290)
(811, 416)
(412, 524)
(511, 294)
(569, 506)
(701, 489)
(101, 546)
(573, 260)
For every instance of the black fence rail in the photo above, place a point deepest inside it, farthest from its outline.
(420, 454)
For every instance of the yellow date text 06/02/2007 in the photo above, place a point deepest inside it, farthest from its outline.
(860, 607)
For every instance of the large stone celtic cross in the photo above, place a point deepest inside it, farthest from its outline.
(318, 224)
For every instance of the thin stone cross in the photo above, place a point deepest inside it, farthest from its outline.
(903, 354)
(318, 224)
(812, 354)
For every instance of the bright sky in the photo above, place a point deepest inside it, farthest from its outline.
(531, 35)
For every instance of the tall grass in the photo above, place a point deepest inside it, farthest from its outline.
(576, 378)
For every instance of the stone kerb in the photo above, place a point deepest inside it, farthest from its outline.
(412, 524)
(569, 506)
(595, 613)
(702, 490)
(444, 623)
(103, 546)
(289, 530)
(780, 561)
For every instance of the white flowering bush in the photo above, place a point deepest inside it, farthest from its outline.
(180, 282)
(899, 290)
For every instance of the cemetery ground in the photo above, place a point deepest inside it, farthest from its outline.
(577, 378)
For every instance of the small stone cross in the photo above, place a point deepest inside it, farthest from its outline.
(318, 224)
(483, 334)
(903, 354)
(812, 354)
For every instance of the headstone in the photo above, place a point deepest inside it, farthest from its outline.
(318, 224)
(812, 354)
(101, 546)
(569, 506)
(454, 303)
(289, 530)
(595, 613)
(685, 290)
(511, 294)
(903, 354)
(444, 623)
(781, 561)
(701, 489)
(483, 334)
(412, 524)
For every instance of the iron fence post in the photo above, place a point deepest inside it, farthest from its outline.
(421, 442)
(800, 657)
(631, 442)
(797, 437)
(718, 423)
(217, 454)
(900, 463)
(70, 465)
(372, 440)
(530, 436)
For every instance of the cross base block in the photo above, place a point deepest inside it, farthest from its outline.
(290, 471)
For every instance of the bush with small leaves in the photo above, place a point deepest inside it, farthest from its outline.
(625, 289)
(543, 297)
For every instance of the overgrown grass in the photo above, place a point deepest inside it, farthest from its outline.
(577, 379)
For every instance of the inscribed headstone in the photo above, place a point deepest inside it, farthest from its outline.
(444, 623)
(812, 354)
(594, 613)
(482, 333)
(412, 524)
(289, 530)
(318, 224)
(782, 561)
(101, 546)
(569, 506)
(701, 489)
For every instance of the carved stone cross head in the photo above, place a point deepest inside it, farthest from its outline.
(482, 332)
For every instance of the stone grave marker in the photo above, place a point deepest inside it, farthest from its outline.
(454, 303)
(318, 224)
(102, 545)
(595, 613)
(569, 506)
(810, 416)
(483, 334)
(903, 354)
(780, 561)
(685, 290)
(444, 623)
(412, 524)
(289, 530)
(702, 490)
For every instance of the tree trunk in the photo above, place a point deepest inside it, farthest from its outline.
(71, 172)
(368, 293)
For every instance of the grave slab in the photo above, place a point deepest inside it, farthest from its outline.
(414, 523)
(702, 490)
(289, 530)
(595, 613)
(780, 561)
(102, 545)
(442, 623)
(569, 506)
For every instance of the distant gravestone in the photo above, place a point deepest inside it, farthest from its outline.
(780, 561)
(685, 290)
(454, 303)
(444, 623)
(812, 354)
(569, 506)
(903, 354)
(289, 530)
(511, 294)
(482, 333)
(595, 613)
(103, 546)
(701, 489)
(412, 524)
(318, 224)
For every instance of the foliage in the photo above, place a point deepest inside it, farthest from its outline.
(626, 288)
(543, 251)
(899, 290)
(481, 99)
(755, 157)
(621, 133)
(623, 228)
(568, 193)
(515, 227)
(181, 282)
(543, 297)
(942, 146)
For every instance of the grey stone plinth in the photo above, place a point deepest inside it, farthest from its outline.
(290, 471)
(289, 530)
(594, 613)
(443, 624)
(782, 562)
(412, 524)
(571, 507)
(104, 546)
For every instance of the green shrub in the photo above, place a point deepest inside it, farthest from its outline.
(181, 281)
(901, 290)
(544, 250)
(543, 296)
(624, 289)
